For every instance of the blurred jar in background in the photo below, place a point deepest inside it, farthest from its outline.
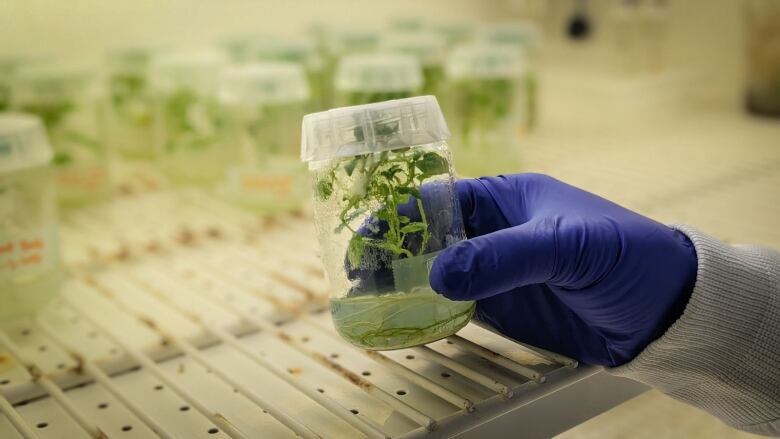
(341, 42)
(454, 33)
(8, 66)
(128, 104)
(763, 57)
(29, 250)
(65, 98)
(262, 105)
(364, 79)
(525, 38)
(305, 53)
(428, 48)
(486, 94)
(186, 117)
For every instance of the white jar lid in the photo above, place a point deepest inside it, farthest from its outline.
(49, 82)
(342, 41)
(485, 61)
(522, 33)
(299, 50)
(23, 142)
(268, 82)
(198, 70)
(361, 129)
(379, 73)
(429, 48)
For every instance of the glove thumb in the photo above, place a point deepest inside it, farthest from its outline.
(497, 262)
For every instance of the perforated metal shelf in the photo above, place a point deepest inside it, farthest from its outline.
(184, 317)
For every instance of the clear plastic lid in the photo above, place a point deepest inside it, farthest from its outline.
(23, 142)
(485, 61)
(379, 73)
(345, 41)
(521, 33)
(269, 82)
(427, 47)
(349, 131)
(199, 70)
(454, 32)
(131, 58)
(300, 50)
(46, 78)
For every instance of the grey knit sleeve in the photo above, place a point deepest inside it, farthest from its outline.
(723, 354)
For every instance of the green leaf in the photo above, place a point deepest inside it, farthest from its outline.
(349, 218)
(432, 164)
(413, 228)
(355, 251)
(349, 168)
(411, 190)
(403, 219)
(324, 189)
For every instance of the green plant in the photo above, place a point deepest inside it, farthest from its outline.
(380, 184)
(483, 103)
(190, 120)
(128, 98)
(71, 144)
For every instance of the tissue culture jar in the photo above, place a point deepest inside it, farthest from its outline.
(29, 252)
(381, 217)
(29, 255)
(62, 97)
(187, 117)
(268, 177)
(128, 104)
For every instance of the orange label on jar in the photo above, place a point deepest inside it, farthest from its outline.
(82, 178)
(27, 253)
(278, 184)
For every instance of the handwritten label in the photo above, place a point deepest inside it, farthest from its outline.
(28, 253)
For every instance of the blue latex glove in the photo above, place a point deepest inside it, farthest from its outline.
(565, 270)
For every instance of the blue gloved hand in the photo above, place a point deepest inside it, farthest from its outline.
(565, 270)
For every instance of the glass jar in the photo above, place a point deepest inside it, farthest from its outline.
(763, 57)
(128, 104)
(30, 271)
(262, 105)
(65, 98)
(384, 205)
(525, 38)
(364, 79)
(8, 65)
(305, 53)
(187, 123)
(486, 91)
(428, 48)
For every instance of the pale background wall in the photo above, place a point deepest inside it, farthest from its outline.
(705, 32)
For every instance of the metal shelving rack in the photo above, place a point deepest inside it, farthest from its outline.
(185, 317)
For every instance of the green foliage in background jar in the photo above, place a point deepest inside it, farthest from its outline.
(484, 103)
(70, 144)
(129, 99)
(190, 119)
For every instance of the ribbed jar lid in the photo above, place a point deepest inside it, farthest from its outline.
(268, 82)
(381, 126)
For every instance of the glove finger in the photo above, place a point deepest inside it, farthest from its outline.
(487, 265)
(481, 213)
